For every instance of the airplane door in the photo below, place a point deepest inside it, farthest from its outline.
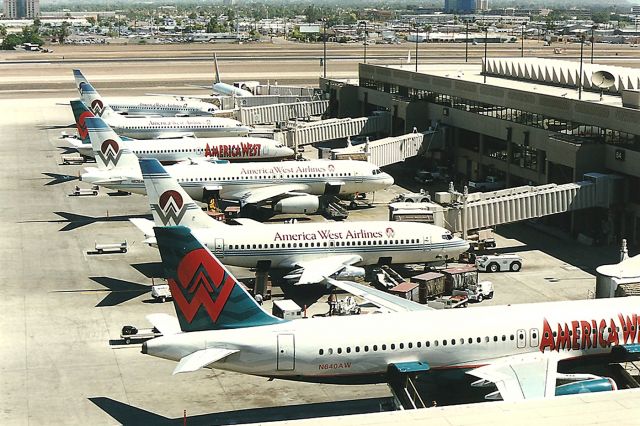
(534, 337)
(522, 339)
(218, 247)
(426, 246)
(286, 352)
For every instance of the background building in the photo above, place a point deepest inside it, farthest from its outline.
(460, 6)
(19, 9)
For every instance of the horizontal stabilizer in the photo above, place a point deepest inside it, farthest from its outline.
(167, 324)
(145, 225)
(202, 358)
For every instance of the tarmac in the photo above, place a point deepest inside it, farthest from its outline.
(63, 307)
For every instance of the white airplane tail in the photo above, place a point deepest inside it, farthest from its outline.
(90, 96)
(108, 148)
(170, 204)
(215, 63)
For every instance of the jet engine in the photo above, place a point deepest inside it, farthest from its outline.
(602, 384)
(304, 204)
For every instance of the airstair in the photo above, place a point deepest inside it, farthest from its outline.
(401, 381)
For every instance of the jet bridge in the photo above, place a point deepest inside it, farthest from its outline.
(462, 212)
(301, 134)
(280, 112)
(382, 152)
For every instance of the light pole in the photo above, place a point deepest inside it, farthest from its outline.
(593, 41)
(466, 44)
(484, 63)
(416, 47)
(522, 43)
(365, 42)
(324, 47)
(580, 76)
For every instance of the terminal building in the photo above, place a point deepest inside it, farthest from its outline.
(521, 120)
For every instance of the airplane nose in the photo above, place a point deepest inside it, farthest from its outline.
(387, 180)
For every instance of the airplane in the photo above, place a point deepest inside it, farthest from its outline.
(307, 251)
(160, 127)
(290, 186)
(227, 89)
(238, 148)
(177, 106)
(517, 349)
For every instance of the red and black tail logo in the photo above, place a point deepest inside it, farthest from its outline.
(201, 282)
(170, 207)
(97, 107)
(110, 152)
(81, 125)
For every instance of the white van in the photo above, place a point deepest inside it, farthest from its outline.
(499, 262)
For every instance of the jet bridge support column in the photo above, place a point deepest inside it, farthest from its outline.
(262, 285)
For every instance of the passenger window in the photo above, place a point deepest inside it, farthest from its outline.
(321, 352)
(348, 350)
(384, 347)
(401, 345)
(339, 350)
(393, 346)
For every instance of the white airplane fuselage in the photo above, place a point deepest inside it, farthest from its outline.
(151, 128)
(357, 349)
(283, 245)
(224, 148)
(166, 107)
(311, 176)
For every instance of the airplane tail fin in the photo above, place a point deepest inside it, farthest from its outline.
(90, 96)
(80, 114)
(108, 148)
(170, 204)
(205, 294)
(80, 82)
(215, 62)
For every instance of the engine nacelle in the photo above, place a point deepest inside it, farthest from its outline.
(304, 204)
(350, 273)
(602, 384)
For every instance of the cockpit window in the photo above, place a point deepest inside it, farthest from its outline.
(376, 171)
(447, 236)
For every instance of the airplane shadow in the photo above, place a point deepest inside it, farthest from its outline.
(57, 126)
(150, 269)
(58, 178)
(570, 252)
(128, 414)
(75, 221)
(67, 150)
(304, 295)
(120, 291)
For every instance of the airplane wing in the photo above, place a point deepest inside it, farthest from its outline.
(384, 300)
(256, 195)
(202, 358)
(527, 376)
(316, 271)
